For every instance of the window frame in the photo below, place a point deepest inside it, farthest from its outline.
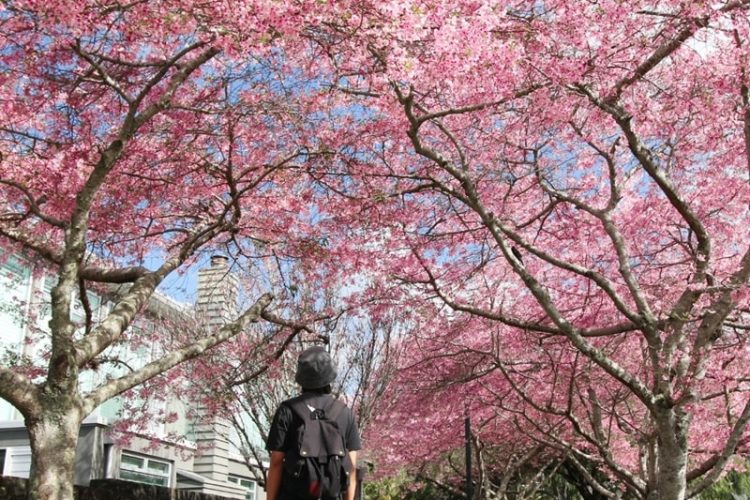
(145, 470)
(18, 458)
(252, 492)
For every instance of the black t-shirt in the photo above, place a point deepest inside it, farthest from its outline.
(283, 433)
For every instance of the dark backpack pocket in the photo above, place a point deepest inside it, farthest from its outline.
(297, 479)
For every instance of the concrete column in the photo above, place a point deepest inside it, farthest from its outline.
(217, 293)
(215, 306)
(212, 460)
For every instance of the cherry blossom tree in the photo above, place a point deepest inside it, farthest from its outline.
(574, 184)
(552, 192)
(137, 132)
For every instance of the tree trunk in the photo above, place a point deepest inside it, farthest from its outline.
(54, 437)
(672, 428)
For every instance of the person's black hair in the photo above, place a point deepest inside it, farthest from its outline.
(320, 390)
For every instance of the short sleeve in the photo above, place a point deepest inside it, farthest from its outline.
(278, 435)
(353, 442)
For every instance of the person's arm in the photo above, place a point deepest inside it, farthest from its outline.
(275, 443)
(273, 481)
(352, 489)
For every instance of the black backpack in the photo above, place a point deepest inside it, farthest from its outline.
(319, 467)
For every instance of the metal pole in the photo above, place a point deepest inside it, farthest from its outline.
(360, 493)
(467, 442)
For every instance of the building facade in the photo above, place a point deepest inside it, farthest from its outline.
(202, 459)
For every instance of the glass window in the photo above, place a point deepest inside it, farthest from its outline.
(44, 305)
(159, 466)
(111, 408)
(147, 470)
(2, 462)
(17, 461)
(78, 313)
(249, 484)
(15, 275)
(7, 411)
(129, 461)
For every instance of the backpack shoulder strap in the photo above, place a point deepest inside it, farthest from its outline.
(299, 407)
(336, 407)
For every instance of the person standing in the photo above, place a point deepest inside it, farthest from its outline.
(315, 374)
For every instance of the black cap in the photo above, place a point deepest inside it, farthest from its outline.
(315, 369)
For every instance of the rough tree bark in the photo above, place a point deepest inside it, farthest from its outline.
(54, 437)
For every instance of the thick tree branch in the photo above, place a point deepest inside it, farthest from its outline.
(567, 413)
(539, 292)
(274, 356)
(667, 49)
(471, 199)
(122, 384)
(88, 273)
(34, 204)
(428, 116)
(661, 53)
(709, 329)
(644, 318)
(66, 352)
(126, 308)
(178, 79)
(102, 72)
(646, 159)
(19, 391)
(590, 479)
